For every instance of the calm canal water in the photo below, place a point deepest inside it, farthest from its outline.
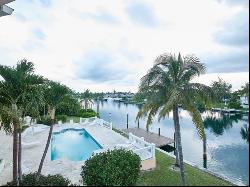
(228, 149)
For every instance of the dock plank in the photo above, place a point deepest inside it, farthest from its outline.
(150, 137)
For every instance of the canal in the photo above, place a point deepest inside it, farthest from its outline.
(227, 137)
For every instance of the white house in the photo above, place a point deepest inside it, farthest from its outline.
(244, 101)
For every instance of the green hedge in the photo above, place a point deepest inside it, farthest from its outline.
(62, 118)
(235, 105)
(86, 113)
(112, 168)
(49, 180)
(45, 121)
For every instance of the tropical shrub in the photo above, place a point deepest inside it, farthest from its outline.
(45, 121)
(69, 106)
(112, 168)
(234, 101)
(62, 118)
(235, 105)
(49, 180)
(86, 113)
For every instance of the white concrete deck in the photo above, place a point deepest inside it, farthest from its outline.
(31, 156)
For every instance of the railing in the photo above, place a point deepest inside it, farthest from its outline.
(98, 121)
(85, 120)
(107, 125)
(146, 150)
(144, 153)
(104, 123)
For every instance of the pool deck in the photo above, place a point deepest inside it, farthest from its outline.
(150, 137)
(31, 155)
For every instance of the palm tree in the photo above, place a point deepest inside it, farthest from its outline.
(86, 99)
(16, 82)
(245, 91)
(54, 95)
(167, 86)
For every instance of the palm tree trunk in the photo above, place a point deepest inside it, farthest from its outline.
(44, 111)
(86, 104)
(98, 107)
(48, 142)
(178, 138)
(15, 150)
(204, 151)
(31, 121)
(20, 154)
(177, 161)
(46, 149)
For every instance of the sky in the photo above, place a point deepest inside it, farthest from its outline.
(110, 44)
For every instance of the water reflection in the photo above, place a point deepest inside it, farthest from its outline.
(218, 123)
(244, 131)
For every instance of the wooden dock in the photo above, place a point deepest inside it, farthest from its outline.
(229, 111)
(150, 137)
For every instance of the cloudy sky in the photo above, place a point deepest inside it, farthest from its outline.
(110, 44)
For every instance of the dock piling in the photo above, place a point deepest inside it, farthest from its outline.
(127, 121)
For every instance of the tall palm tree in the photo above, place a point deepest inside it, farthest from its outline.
(16, 82)
(54, 95)
(86, 99)
(245, 91)
(30, 104)
(167, 86)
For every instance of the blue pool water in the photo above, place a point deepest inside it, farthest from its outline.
(73, 144)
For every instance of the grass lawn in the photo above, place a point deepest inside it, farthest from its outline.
(164, 176)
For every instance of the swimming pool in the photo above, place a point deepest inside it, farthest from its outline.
(73, 144)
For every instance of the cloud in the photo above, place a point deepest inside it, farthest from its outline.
(33, 10)
(106, 45)
(45, 3)
(232, 61)
(100, 66)
(38, 33)
(235, 31)
(141, 13)
(244, 3)
(101, 16)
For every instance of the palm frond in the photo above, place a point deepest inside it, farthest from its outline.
(191, 68)
(151, 115)
(168, 106)
(25, 67)
(196, 118)
(199, 92)
(168, 83)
